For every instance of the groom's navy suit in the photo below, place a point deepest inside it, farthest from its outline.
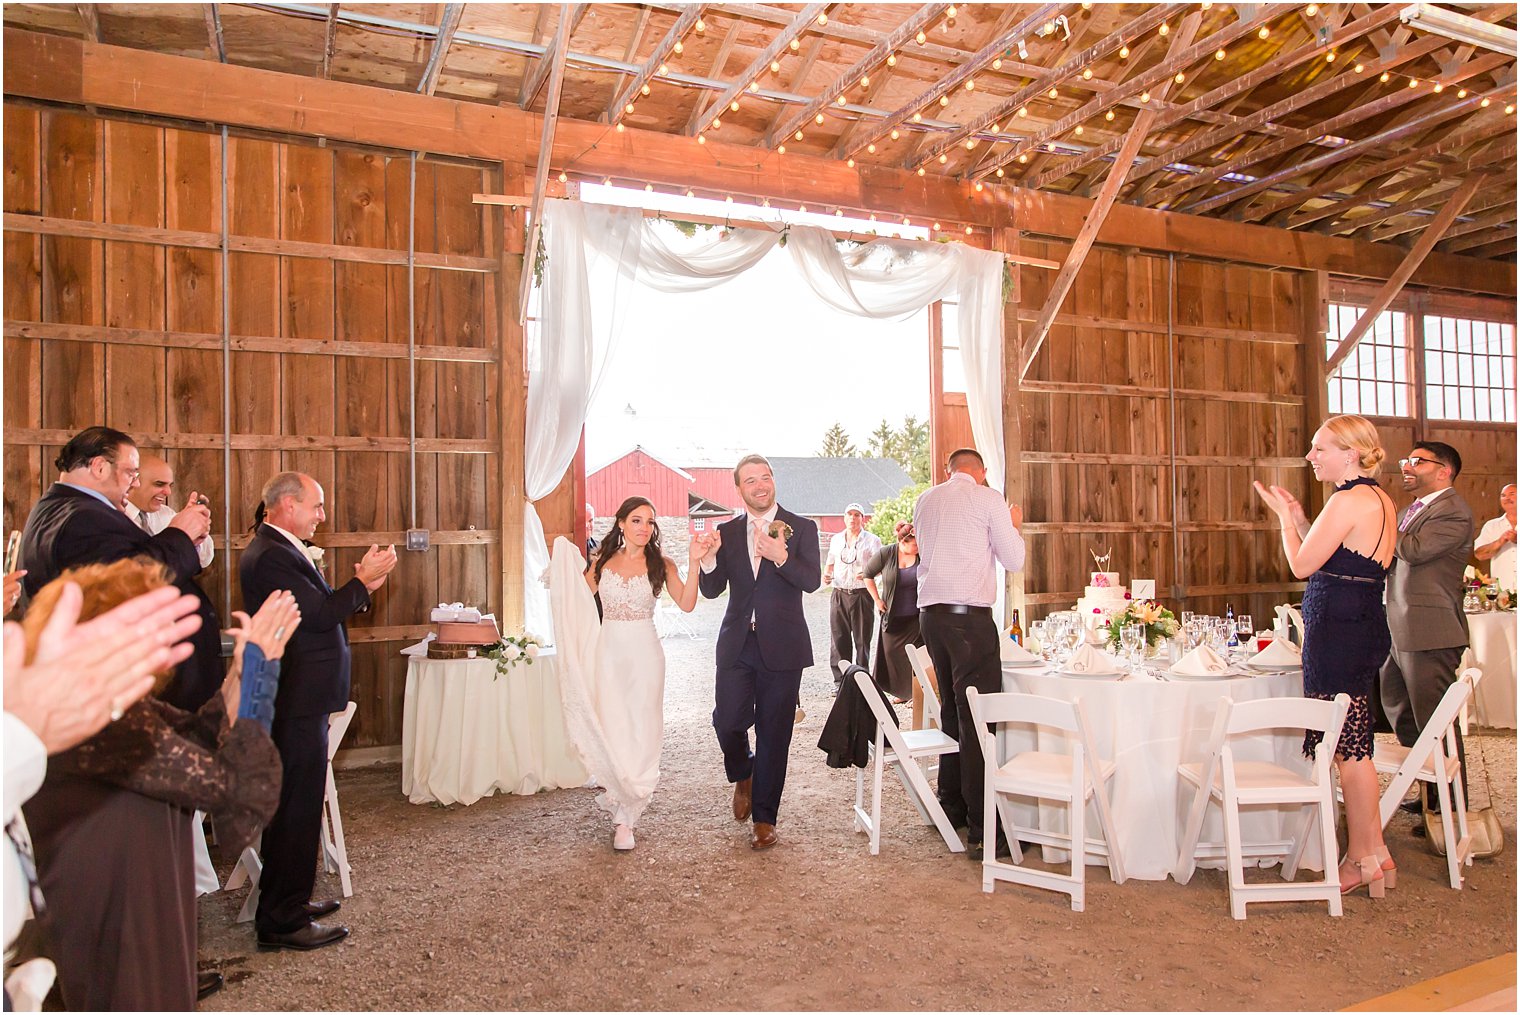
(763, 646)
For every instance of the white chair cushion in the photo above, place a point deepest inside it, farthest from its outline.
(929, 741)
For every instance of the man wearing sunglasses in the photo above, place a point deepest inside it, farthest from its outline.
(1425, 591)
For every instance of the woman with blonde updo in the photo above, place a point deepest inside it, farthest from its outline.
(1345, 556)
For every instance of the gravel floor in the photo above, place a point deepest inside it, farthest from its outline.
(520, 903)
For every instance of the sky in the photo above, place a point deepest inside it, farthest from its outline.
(756, 364)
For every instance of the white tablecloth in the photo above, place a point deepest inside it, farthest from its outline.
(1491, 648)
(1147, 729)
(467, 732)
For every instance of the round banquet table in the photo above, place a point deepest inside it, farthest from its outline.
(467, 732)
(1491, 648)
(1148, 728)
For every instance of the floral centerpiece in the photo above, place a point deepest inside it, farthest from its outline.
(1157, 621)
(513, 649)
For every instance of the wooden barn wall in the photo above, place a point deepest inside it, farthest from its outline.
(1164, 388)
(114, 314)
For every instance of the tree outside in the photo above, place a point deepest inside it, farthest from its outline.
(836, 444)
(885, 514)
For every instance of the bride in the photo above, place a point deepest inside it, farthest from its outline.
(612, 675)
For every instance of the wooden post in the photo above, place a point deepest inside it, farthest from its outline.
(1006, 241)
(1314, 324)
(512, 389)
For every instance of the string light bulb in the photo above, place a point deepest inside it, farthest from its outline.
(871, 148)
(968, 228)
(717, 124)
(775, 66)
(920, 170)
(1330, 56)
(644, 90)
(1053, 92)
(781, 149)
(818, 119)
(943, 159)
(895, 134)
(971, 144)
(606, 181)
(1438, 88)
(649, 188)
(794, 45)
(798, 135)
(1485, 102)
(823, 18)
(944, 100)
(951, 12)
(1086, 73)
(839, 213)
(1023, 110)
(563, 178)
(690, 192)
(802, 209)
(621, 128)
(628, 108)
(891, 59)
(1219, 54)
(1109, 116)
(1509, 110)
(733, 107)
(917, 117)
(728, 199)
(1265, 31)
(1181, 77)
(970, 85)
(865, 81)
(1414, 82)
(1383, 77)
(1359, 68)
(1312, 10)
(978, 186)
(997, 63)
(701, 26)
(850, 163)
(678, 48)
(921, 37)
(1000, 173)
(1078, 131)
(935, 227)
(906, 221)
(754, 86)
(1023, 159)
(1162, 30)
(1462, 93)
(1145, 96)
(841, 100)
(664, 69)
(1124, 52)
(1203, 6)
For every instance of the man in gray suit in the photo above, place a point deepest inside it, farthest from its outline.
(1425, 591)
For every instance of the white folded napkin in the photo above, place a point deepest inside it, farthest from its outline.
(1280, 653)
(1289, 615)
(419, 649)
(1201, 662)
(1090, 660)
(1012, 652)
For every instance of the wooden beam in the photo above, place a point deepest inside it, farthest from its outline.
(448, 24)
(700, 109)
(1101, 205)
(1381, 167)
(637, 36)
(331, 41)
(1391, 288)
(1152, 80)
(1341, 154)
(1423, 199)
(560, 47)
(662, 49)
(958, 75)
(873, 58)
(570, 18)
(1283, 110)
(214, 32)
(1500, 214)
(91, 18)
(799, 24)
(1009, 107)
(66, 71)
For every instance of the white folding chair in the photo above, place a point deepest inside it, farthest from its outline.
(1074, 778)
(1239, 783)
(923, 672)
(250, 865)
(903, 750)
(1434, 759)
(334, 850)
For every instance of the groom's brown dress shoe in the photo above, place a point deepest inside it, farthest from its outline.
(317, 910)
(763, 837)
(742, 799)
(312, 936)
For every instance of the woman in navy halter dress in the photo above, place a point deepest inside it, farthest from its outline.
(1345, 554)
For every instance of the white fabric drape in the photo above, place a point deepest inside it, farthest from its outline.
(597, 248)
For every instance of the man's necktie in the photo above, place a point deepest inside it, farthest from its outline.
(754, 562)
(1409, 514)
(142, 522)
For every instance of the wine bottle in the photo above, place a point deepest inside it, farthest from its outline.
(1016, 632)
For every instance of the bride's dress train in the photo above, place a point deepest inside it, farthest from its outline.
(612, 681)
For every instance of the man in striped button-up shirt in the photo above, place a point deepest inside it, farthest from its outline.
(964, 529)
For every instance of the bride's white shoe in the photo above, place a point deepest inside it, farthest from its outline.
(622, 837)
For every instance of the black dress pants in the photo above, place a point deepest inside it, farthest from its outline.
(852, 614)
(964, 650)
(292, 839)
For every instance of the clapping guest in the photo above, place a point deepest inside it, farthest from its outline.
(1345, 554)
(891, 577)
(149, 503)
(81, 676)
(111, 823)
(1496, 541)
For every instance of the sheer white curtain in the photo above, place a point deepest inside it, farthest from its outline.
(595, 248)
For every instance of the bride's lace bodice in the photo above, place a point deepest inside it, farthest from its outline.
(626, 598)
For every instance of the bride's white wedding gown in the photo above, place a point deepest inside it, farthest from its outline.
(612, 681)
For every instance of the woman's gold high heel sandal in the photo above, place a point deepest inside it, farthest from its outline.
(1390, 869)
(1369, 873)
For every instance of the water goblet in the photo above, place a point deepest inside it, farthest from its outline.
(1131, 639)
(1187, 617)
(1038, 630)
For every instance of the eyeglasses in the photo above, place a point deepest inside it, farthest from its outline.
(1410, 463)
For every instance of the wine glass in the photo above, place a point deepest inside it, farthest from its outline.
(1038, 630)
(1131, 639)
(1491, 593)
(1187, 617)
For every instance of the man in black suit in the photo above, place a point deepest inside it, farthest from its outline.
(313, 683)
(80, 520)
(766, 559)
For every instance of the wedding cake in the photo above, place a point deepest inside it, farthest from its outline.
(1106, 593)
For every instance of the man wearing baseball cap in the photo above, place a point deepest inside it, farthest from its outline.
(850, 609)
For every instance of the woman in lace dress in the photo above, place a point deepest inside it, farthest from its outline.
(1345, 555)
(613, 677)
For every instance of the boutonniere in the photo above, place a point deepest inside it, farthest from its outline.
(316, 553)
(779, 530)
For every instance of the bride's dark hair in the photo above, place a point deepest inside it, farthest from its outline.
(654, 559)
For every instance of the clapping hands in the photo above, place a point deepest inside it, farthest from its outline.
(376, 566)
(1290, 513)
(195, 519)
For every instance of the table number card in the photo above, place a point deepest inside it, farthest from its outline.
(1143, 588)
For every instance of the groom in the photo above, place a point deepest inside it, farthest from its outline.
(766, 559)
